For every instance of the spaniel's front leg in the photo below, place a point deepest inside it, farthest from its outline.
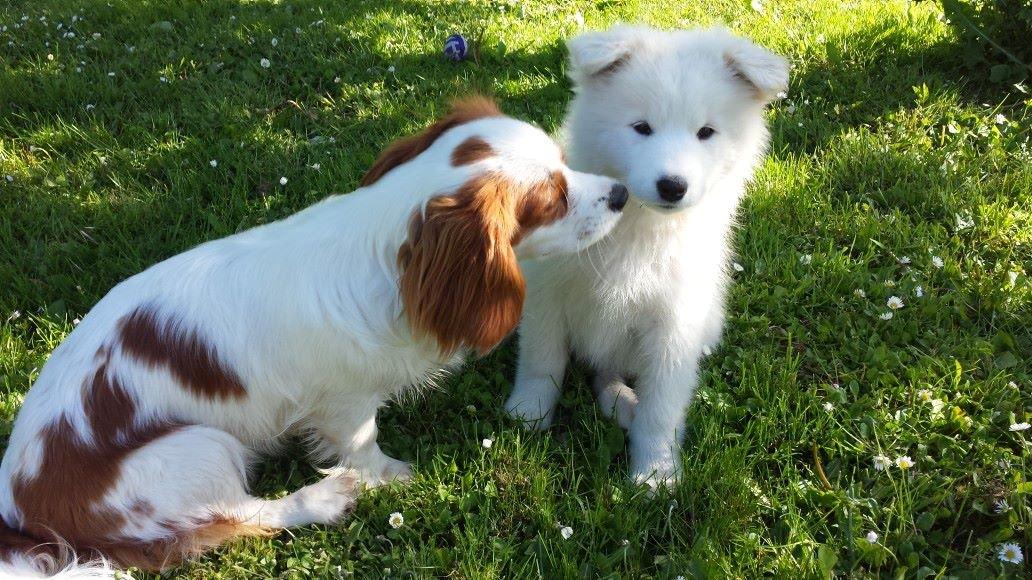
(346, 431)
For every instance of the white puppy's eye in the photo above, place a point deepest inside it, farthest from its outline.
(642, 128)
(705, 133)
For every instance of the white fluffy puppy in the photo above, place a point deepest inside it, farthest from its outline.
(679, 117)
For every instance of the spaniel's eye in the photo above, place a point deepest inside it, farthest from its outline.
(642, 128)
(705, 133)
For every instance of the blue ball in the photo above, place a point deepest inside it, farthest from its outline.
(456, 48)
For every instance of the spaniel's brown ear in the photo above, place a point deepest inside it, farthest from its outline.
(460, 282)
(406, 149)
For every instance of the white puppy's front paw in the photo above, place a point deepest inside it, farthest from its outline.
(533, 402)
(657, 472)
(617, 400)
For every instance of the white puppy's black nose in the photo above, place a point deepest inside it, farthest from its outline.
(617, 197)
(671, 187)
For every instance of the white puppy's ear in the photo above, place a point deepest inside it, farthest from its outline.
(764, 71)
(596, 55)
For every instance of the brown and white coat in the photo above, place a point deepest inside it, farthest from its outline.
(134, 443)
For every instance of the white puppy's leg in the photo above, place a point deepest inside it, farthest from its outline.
(664, 393)
(323, 502)
(347, 432)
(615, 398)
(539, 371)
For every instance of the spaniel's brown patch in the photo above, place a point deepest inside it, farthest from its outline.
(405, 150)
(460, 281)
(470, 151)
(187, 356)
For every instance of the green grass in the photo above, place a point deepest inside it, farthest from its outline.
(885, 148)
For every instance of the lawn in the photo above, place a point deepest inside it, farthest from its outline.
(131, 130)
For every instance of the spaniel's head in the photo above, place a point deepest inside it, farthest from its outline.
(505, 193)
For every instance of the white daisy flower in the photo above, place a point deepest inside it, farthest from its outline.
(487, 443)
(881, 462)
(737, 267)
(805, 259)
(894, 302)
(1001, 506)
(396, 520)
(1000, 119)
(336, 80)
(859, 293)
(283, 181)
(937, 261)
(1010, 552)
(275, 41)
(1019, 426)
(829, 406)
(265, 63)
(50, 57)
(566, 532)
(316, 166)
(904, 260)
(925, 395)
(885, 316)
(919, 291)
(904, 462)
(872, 537)
(96, 36)
(111, 74)
(213, 163)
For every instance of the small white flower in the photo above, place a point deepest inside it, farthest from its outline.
(336, 80)
(96, 36)
(111, 74)
(919, 291)
(163, 79)
(283, 181)
(679, 578)
(964, 222)
(90, 106)
(566, 532)
(390, 69)
(782, 95)
(9, 178)
(881, 462)
(316, 166)
(805, 259)
(937, 405)
(76, 321)
(487, 443)
(859, 293)
(396, 520)
(50, 57)
(214, 163)
(937, 261)
(1012, 277)
(265, 63)
(894, 302)
(904, 462)
(885, 316)
(904, 260)
(829, 406)
(757, 5)
(1020, 426)
(737, 267)
(925, 395)
(872, 537)
(1010, 552)
(625, 542)
(275, 41)
(1001, 506)
(999, 119)
(297, 30)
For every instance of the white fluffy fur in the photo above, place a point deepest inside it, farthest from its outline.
(642, 304)
(307, 312)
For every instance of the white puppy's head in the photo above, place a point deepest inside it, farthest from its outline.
(670, 113)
